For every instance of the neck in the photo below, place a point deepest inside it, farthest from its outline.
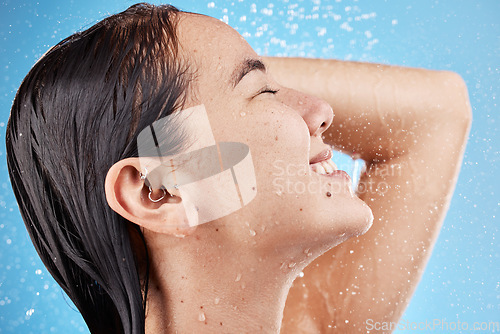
(197, 290)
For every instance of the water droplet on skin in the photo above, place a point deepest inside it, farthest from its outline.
(252, 233)
(243, 114)
(351, 251)
(279, 193)
(201, 316)
(291, 265)
(301, 274)
(238, 277)
(306, 251)
(216, 300)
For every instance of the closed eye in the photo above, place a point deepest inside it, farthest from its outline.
(267, 89)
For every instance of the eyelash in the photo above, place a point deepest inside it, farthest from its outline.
(268, 90)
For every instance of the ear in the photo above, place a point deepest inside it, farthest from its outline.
(128, 195)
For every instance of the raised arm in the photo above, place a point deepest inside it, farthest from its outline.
(410, 126)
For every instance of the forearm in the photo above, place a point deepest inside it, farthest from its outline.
(409, 196)
(388, 107)
(410, 125)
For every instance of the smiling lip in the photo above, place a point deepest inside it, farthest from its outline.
(322, 156)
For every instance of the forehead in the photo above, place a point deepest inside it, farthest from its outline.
(213, 47)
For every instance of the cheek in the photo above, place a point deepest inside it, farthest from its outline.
(276, 135)
(271, 132)
(280, 134)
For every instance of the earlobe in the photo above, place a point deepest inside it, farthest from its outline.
(157, 210)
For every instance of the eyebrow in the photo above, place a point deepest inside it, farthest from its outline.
(247, 66)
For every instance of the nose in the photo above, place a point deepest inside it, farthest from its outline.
(317, 114)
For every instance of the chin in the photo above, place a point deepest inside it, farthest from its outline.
(362, 221)
(349, 218)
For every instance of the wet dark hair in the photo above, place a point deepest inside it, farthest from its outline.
(77, 112)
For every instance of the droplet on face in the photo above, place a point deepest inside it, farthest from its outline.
(216, 300)
(201, 316)
(238, 277)
(252, 233)
(243, 114)
(291, 265)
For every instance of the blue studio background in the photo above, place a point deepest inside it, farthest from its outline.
(461, 281)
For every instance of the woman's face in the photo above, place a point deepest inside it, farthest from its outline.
(294, 205)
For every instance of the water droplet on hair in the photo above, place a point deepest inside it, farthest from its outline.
(238, 277)
(201, 316)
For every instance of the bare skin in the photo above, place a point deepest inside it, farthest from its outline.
(233, 274)
(410, 126)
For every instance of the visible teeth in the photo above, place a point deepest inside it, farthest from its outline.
(318, 168)
(331, 163)
(324, 167)
(328, 168)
